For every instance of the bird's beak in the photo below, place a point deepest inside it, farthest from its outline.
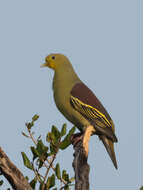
(44, 65)
(47, 62)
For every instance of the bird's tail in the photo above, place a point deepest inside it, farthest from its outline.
(110, 149)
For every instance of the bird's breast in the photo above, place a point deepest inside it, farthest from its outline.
(62, 100)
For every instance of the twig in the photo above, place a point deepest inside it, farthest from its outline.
(52, 160)
(37, 175)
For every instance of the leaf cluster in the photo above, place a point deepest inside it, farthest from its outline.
(44, 156)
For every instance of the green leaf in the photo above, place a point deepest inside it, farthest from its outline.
(54, 140)
(52, 149)
(42, 152)
(48, 182)
(58, 172)
(65, 176)
(66, 187)
(1, 182)
(40, 163)
(67, 140)
(51, 138)
(56, 132)
(51, 181)
(33, 183)
(26, 161)
(64, 130)
(29, 125)
(141, 188)
(34, 152)
(48, 137)
(41, 148)
(35, 117)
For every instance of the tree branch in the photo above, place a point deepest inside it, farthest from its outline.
(81, 167)
(12, 173)
(80, 143)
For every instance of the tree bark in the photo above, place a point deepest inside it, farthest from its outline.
(12, 173)
(81, 167)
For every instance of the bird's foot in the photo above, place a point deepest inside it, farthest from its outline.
(83, 137)
(75, 138)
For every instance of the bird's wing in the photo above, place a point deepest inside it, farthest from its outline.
(85, 102)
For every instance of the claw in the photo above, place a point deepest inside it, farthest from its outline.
(75, 138)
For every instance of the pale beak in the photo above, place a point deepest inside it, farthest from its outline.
(43, 65)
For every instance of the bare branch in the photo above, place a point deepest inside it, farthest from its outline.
(81, 167)
(12, 173)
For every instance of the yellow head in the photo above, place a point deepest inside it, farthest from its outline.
(55, 61)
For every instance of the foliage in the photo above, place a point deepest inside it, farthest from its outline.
(44, 156)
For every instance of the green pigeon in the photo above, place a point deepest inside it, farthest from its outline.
(80, 105)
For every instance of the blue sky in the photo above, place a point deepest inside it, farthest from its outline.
(104, 41)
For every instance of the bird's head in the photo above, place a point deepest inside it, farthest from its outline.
(55, 61)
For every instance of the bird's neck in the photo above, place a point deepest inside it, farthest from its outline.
(65, 79)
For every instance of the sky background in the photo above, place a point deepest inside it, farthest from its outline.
(104, 41)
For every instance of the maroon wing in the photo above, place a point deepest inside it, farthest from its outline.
(85, 102)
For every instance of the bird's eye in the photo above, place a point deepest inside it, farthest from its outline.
(53, 57)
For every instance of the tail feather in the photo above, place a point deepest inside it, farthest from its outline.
(110, 149)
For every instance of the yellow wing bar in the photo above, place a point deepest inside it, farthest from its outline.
(89, 111)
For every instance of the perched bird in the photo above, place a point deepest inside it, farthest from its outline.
(79, 104)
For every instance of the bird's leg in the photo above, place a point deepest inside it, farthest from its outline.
(86, 137)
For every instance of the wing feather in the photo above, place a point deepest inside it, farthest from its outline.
(85, 102)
